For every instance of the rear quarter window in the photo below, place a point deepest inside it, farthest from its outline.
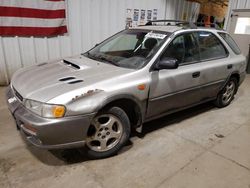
(229, 40)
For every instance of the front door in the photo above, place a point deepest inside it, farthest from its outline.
(240, 29)
(174, 89)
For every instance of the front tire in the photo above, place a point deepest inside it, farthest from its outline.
(226, 95)
(108, 133)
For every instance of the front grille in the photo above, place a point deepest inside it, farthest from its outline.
(18, 95)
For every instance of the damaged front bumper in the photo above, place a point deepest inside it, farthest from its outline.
(48, 133)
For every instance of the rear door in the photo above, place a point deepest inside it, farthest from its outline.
(215, 64)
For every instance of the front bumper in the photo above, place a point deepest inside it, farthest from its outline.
(48, 133)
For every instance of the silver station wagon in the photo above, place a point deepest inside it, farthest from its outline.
(97, 98)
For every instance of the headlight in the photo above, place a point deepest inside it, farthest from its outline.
(45, 110)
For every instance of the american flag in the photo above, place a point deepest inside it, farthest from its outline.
(32, 18)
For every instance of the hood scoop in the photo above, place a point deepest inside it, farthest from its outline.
(71, 65)
(75, 81)
(70, 80)
(67, 78)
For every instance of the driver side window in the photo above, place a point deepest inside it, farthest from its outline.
(184, 48)
(176, 49)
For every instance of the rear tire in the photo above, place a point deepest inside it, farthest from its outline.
(226, 95)
(108, 133)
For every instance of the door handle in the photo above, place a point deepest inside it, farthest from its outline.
(230, 66)
(196, 74)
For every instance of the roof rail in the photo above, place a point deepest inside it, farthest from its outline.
(177, 23)
(192, 25)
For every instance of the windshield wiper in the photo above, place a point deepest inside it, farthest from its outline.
(90, 56)
(100, 57)
(109, 61)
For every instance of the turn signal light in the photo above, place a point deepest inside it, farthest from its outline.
(141, 87)
(58, 111)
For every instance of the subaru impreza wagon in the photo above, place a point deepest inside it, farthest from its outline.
(95, 99)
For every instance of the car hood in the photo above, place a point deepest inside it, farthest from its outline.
(45, 81)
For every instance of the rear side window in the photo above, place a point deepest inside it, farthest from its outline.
(210, 46)
(229, 40)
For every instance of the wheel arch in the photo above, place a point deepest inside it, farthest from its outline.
(234, 74)
(133, 107)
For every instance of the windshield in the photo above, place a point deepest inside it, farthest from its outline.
(129, 48)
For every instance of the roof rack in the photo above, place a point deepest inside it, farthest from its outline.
(186, 24)
(177, 23)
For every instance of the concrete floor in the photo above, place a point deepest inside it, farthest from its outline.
(200, 147)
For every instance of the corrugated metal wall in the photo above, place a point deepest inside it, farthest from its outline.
(235, 4)
(89, 22)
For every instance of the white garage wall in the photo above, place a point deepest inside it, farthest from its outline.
(89, 22)
(235, 4)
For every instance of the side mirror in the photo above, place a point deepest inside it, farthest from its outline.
(167, 63)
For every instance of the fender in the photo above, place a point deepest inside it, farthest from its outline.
(229, 76)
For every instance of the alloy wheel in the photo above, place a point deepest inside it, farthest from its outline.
(228, 92)
(105, 133)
